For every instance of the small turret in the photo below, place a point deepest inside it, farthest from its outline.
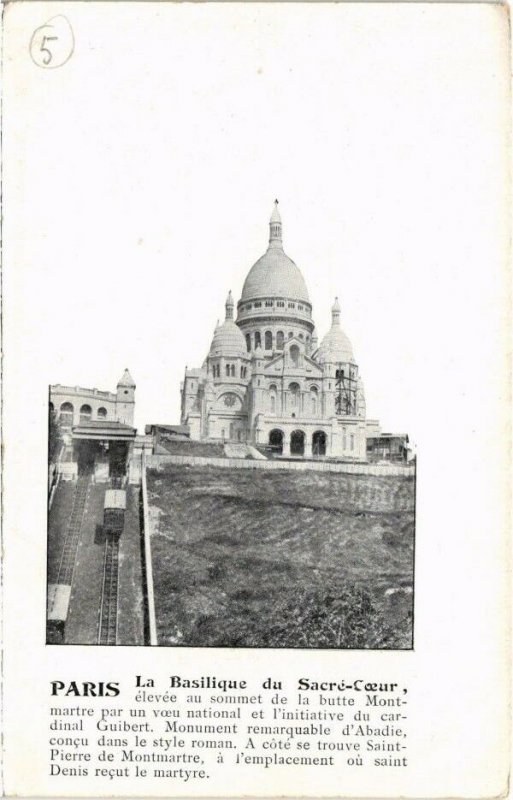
(126, 380)
(229, 305)
(228, 339)
(335, 312)
(275, 227)
(335, 347)
(125, 399)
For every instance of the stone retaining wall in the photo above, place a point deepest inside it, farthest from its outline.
(406, 470)
(148, 559)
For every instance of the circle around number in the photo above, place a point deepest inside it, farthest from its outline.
(53, 43)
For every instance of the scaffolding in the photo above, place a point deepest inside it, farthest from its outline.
(345, 387)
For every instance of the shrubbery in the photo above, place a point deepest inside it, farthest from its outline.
(324, 618)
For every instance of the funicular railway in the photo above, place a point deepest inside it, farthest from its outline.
(69, 550)
(114, 521)
(59, 591)
(94, 577)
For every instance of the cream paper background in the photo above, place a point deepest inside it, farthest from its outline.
(138, 182)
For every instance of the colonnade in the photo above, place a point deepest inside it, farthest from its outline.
(298, 442)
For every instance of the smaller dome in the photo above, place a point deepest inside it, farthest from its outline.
(228, 340)
(335, 347)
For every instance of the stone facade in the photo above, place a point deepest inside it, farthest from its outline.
(266, 380)
(74, 405)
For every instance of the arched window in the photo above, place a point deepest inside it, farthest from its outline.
(276, 441)
(294, 355)
(272, 398)
(227, 370)
(297, 443)
(313, 400)
(258, 339)
(279, 340)
(319, 443)
(294, 395)
(301, 336)
(290, 334)
(248, 342)
(66, 415)
(102, 413)
(233, 370)
(268, 340)
(86, 412)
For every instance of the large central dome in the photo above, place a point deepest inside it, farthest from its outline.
(275, 274)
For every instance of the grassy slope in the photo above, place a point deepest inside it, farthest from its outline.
(238, 544)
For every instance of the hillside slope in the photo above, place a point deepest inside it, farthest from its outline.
(257, 558)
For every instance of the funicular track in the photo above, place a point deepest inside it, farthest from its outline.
(69, 550)
(108, 622)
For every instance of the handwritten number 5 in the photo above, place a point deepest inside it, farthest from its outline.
(47, 53)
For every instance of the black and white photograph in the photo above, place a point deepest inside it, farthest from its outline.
(273, 513)
(256, 368)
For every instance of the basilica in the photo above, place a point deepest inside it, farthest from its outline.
(267, 381)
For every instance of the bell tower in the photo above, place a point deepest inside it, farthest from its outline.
(125, 399)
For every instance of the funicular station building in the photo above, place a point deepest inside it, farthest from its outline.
(97, 431)
(267, 381)
(95, 566)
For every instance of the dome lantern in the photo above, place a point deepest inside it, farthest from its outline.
(229, 305)
(335, 312)
(275, 228)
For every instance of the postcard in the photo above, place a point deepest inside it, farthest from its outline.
(256, 308)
